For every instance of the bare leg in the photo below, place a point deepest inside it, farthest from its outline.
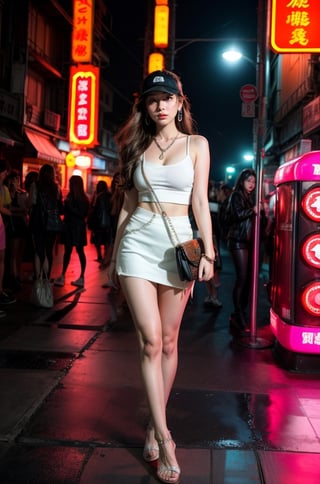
(157, 312)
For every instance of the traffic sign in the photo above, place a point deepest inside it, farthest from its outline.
(248, 110)
(248, 93)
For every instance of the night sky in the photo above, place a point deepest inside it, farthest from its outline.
(211, 85)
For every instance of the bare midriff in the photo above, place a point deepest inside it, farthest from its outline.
(172, 209)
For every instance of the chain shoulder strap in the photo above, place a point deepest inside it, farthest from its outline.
(167, 219)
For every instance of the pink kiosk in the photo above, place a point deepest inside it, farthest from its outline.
(295, 289)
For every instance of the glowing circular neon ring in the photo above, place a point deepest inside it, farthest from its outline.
(311, 250)
(311, 204)
(311, 298)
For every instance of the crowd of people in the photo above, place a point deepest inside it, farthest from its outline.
(35, 220)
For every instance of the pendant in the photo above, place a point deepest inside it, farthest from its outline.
(161, 156)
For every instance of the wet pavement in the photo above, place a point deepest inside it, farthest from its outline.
(73, 409)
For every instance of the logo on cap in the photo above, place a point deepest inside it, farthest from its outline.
(158, 79)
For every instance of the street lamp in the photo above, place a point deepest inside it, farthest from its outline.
(230, 173)
(233, 55)
(248, 157)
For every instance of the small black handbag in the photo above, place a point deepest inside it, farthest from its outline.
(188, 256)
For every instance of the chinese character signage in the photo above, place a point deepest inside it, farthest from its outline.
(295, 26)
(84, 105)
(161, 26)
(82, 31)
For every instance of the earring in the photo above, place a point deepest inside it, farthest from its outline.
(180, 116)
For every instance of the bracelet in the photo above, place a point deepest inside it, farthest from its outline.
(208, 259)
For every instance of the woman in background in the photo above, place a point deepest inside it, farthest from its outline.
(242, 212)
(76, 207)
(45, 196)
(99, 222)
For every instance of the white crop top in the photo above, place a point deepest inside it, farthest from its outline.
(172, 183)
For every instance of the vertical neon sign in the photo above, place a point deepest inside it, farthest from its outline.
(83, 105)
(82, 31)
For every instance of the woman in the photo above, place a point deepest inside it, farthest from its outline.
(76, 206)
(241, 210)
(45, 202)
(158, 143)
(100, 222)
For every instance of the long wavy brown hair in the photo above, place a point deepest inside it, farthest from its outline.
(137, 133)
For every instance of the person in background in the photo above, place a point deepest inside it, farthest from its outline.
(212, 299)
(240, 244)
(100, 222)
(16, 230)
(5, 201)
(117, 197)
(76, 207)
(117, 302)
(158, 144)
(30, 178)
(223, 194)
(45, 196)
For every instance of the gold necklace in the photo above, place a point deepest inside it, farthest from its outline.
(161, 156)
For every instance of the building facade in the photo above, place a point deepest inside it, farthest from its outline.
(35, 59)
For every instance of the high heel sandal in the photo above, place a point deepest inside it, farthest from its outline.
(150, 452)
(166, 468)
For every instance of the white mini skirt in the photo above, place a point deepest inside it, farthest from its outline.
(146, 249)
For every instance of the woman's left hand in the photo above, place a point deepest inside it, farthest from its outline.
(206, 270)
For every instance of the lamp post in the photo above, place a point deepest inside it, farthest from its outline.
(252, 341)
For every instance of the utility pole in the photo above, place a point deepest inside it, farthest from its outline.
(172, 30)
(252, 341)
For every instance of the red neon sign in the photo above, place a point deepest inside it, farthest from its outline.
(82, 31)
(311, 204)
(83, 105)
(295, 26)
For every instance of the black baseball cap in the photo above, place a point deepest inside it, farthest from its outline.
(160, 81)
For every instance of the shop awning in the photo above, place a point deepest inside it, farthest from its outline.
(44, 147)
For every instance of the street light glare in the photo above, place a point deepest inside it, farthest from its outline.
(230, 169)
(232, 55)
(248, 157)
